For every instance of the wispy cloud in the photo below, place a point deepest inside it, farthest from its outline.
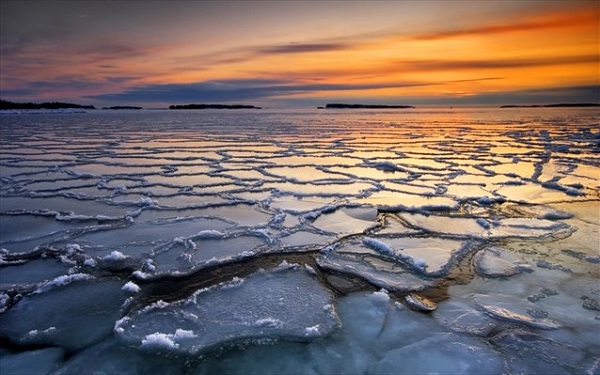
(234, 90)
(448, 64)
(576, 17)
(301, 48)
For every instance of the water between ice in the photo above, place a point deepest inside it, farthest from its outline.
(450, 242)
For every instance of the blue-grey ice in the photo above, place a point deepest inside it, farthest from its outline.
(429, 241)
(287, 303)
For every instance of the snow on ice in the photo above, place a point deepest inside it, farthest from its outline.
(157, 241)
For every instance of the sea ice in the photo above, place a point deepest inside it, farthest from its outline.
(74, 315)
(110, 357)
(528, 352)
(446, 353)
(31, 272)
(374, 272)
(461, 317)
(393, 200)
(229, 314)
(498, 262)
(41, 361)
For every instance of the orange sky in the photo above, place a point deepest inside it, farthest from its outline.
(293, 53)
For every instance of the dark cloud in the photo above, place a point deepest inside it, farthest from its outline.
(301, 48)
(232, 90)
(545, 95)
(244, 90)
(64, 84)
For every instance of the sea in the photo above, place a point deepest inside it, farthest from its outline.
(300, 241)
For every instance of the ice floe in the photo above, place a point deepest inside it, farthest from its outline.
(294, 309)
(489, 216)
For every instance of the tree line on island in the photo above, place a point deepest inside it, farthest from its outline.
(363, 106)
(213, 106)
(5, 104)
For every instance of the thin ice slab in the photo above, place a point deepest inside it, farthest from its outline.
(388, 277)
(71, 311)
(285, 303)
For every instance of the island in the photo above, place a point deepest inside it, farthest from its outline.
(559, 105)
(5, 104)
(213, 106)
(366, 106)
(123, 107)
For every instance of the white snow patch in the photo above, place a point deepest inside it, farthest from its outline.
(62, 281)
(269, 322)
(90, 262)
(115, 255)
(183, 334)
(37, 333)
(381, 295)
(148, 265)
(140, 275)
(210, 233)
(4, 300)
(234, 283)
(386, 249)
(160, 340)
(131, 287)
(312, 331)
(147, 202)
(118, 324)
(72, 248)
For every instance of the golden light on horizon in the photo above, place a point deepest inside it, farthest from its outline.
(554, 47)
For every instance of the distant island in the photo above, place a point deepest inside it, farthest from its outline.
(122, 107)
(4, 104)
(559, 105)
(367, 106)
(213, 106)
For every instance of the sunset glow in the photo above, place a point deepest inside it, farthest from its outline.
(298, 53)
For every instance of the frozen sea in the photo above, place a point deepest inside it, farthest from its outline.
(446, 241)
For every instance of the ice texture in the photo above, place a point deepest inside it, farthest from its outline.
(498, 262)
(71, 316)
(133, 242)
(396, 280)
(41, 361)
(296, 307)
(446, 353)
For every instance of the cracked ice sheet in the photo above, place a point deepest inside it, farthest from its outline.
(346, 221)
(392, 201)
(152, 232)
(487, 228)
(296, 308)
(193, 145)
(553, 297)
(71, 318)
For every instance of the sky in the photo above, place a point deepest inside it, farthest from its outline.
(300, 53)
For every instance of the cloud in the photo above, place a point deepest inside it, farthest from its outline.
(432, 65)
(574, 18)
(70, 85)
(301, 48)
(542, 95)
(233, 90)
